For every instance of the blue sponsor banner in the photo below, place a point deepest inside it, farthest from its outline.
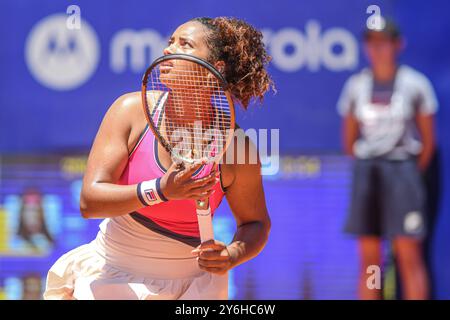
(58, 82)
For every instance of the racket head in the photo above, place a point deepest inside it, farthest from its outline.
(188, 108)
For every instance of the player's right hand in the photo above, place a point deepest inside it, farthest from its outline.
(177, 183)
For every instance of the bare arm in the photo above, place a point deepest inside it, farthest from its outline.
(101, 195)
(245, 196)
(247, 202)
(350, 133)
(425, 124)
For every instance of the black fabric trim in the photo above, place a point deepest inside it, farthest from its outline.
(140, 195)
(139, 140)
(198, 171)
(155, 142)
(158, 123)
(153, 226)
(220, 179)
(156, 105)
(155, 152)
(158, 189)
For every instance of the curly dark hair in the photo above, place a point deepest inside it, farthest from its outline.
(241, 47)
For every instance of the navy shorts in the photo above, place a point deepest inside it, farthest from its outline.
(388, 199)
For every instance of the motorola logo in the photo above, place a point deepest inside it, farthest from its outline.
(292, 50)
(335, 49)
(63, 58)
(59, 57)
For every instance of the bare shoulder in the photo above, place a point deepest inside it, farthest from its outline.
(127, 104)
(132, 101)
(126, 117)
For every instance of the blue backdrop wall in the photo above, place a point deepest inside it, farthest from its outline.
(55, 84)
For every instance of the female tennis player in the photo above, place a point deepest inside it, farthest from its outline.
(154, 252)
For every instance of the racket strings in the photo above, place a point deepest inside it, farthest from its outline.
(196, 115)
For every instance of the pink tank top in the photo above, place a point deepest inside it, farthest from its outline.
(174, 218)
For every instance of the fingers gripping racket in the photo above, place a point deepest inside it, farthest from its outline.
(191, 113)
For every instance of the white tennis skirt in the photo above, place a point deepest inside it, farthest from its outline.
(128, 261)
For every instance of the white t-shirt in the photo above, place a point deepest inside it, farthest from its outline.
(386, 112)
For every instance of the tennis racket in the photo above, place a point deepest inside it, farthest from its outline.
(191, 113)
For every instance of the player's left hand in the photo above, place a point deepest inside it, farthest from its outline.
(213, 256)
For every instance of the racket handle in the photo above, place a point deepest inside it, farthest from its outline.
(204, 219)
(205, 224)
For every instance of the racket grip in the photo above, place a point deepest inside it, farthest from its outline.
(205, 224)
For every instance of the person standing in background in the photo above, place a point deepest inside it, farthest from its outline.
(388, 127)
